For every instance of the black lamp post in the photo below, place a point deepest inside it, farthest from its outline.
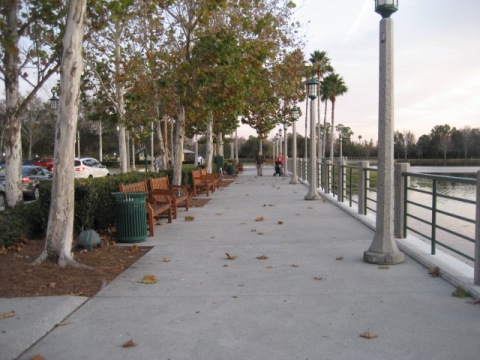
(312, 87)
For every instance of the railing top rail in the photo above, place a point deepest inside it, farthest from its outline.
(442, 178)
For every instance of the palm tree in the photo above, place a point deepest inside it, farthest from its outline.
(333, 86)
(320, 67)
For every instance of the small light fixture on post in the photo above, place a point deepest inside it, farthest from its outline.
(384, 249)
(386, 7)
(312, 87)
(54, 100)
(294, 112)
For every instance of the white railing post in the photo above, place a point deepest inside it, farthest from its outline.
(328, 174)
(399, 207)
(362, 187)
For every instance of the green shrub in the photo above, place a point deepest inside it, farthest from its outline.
(94, 206)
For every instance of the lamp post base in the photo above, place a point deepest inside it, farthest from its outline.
(310, 196)
(382, 258)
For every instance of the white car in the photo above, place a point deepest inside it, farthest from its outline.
(89, 168)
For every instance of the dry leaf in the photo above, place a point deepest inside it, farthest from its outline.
(230, 257)
(8, 314)
(269, 267)
(280, 222)
(129, 343)
(262, 257)
(260, 218)
(319, 278)
(294, 265)
(37, 357)
(225, 265)
(189, 218)
(339, 258)
(165, 259)
(134, 248)
(260, 233)
(149, 279)
(253, 230)
(52, 285)
(369, 335)
(435, 272)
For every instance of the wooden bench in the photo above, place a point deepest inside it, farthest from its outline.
(154, 208)
(161, 190)
(210, 178)
(200, 185)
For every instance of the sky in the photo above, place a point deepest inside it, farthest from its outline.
(436, 62)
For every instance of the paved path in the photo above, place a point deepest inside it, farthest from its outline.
(311, 299)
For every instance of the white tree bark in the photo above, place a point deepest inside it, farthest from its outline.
(12, 124)
(209, 154)
(178, 154)
(59, 237)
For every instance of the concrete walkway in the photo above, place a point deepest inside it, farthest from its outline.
(311, 299)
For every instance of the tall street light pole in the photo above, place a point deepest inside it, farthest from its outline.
(295, 112)
(384, 249)
(285, 154)
(312, 194)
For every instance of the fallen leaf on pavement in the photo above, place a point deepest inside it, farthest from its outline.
(260, 218)
(230, 257)
(319, 278)
(280, 222)
(149, 279)
(165, 259)
(294, 265)
(369, 335)
(37, 357)
(52, 285)
(8, 314)
(339, 258)
(435, 272)
(262, 257)
(189, 218)
(133, 248)
(269, 267)
(129, 343)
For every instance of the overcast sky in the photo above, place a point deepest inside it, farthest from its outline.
(437, 61)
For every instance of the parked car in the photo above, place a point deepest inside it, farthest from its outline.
(89, 168)
(28, 162)
(30, 182)
(46, 163)
(3, 198)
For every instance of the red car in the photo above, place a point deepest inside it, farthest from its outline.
(46, 163)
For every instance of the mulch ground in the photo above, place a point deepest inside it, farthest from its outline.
(19, 278)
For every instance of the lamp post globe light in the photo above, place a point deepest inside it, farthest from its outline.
(294, 112)
(54, 100)
(312, 87)
(384, 249)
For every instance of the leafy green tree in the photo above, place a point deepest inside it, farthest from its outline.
(332, 87)
(441, 137)
(320, 66)
(29, 38)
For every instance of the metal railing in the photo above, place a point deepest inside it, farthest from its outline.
(358, 185)
(433, 194)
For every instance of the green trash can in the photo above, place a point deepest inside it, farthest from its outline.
(130, 216)
(231, 170)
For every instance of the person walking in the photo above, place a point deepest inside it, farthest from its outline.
(259, 161)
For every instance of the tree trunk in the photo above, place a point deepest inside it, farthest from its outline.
(209, 150)
(179, 136)
(332, 136)
(161, 144)
(59, 237)
(324, 145)
(220, 148)
(100, 141)
(12, 124)
(120, 89)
